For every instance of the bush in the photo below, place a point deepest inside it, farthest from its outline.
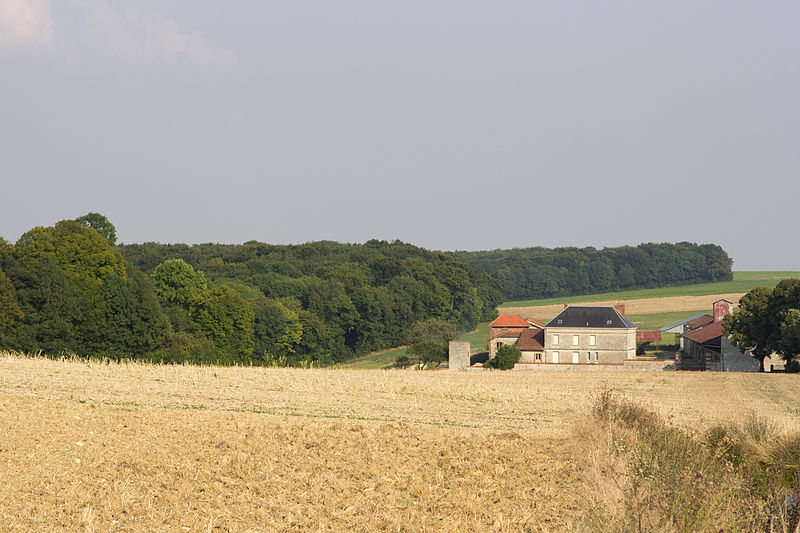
(793, 366)
(506, 357)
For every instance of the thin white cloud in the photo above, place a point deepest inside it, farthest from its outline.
(26, 26)
(93, 30)
(131, 37)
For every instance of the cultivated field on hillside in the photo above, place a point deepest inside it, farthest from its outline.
(649, 306)
(131, 447)
(742, 282)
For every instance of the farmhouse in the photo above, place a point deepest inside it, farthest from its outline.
(578, 335)
(590, 335)
(507, 328)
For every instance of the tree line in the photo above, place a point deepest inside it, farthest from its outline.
(70, 289)
(767, 321)
(531, 273)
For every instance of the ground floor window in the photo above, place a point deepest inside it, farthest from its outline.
(596, 357)
(555, 357)
(575, 358)
(588, 357)
(537, 358)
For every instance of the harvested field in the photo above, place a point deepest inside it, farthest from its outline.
(108, 447)
(646, 306)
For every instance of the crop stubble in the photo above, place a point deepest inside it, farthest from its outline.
(107, 447)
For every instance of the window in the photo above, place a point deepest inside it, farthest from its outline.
(537, 358)
(555, 340)
(555, 357)
(575, 358)
(499, 344)
(588, 357)
(592, 340)
(575, 340)
(596, 356)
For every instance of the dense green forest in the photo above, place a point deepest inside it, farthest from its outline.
(530, 273)
(69, 289)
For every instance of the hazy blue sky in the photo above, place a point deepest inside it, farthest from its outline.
(447, 124)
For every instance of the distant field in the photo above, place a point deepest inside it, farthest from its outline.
(742, 282)
(135, 447)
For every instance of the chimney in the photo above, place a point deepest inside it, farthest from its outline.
(721, 309)
(620, 307)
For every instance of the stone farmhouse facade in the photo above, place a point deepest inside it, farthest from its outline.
(590, 335)
(577, 335)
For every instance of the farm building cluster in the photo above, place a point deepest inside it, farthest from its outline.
(578, 334)
(602, 335)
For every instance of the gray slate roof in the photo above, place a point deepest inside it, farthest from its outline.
(682, 322)
(590, 317)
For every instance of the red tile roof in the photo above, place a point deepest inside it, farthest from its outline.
(506, 333)
(531, 340)
(646, 335)
(535, 322)
(704, 334)
(509, 321)
(699, 322)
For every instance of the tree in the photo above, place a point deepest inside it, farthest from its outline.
(429, 341)
(10, 314)
(135, 322)
(100, 224)
(505, 358)
(790, 335)
(277, 330)
(177, 282)
(749, 327)
(77, 249)
(227, 320)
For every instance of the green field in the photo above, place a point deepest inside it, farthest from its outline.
(659, 320)
(743, 281)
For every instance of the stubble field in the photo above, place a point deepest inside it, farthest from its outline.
(107, 447)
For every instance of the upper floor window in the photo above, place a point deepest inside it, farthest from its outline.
(555, 340)
(575, 340)
(592, 340)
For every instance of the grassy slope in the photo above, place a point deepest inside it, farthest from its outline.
(742, 282)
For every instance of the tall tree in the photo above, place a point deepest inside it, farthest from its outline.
(100, 224)
(749, 326)
(135, 323)
(77, 249)
(227, 320)
(10, 315)
(177, 282)
(790, 335)
(429, 341)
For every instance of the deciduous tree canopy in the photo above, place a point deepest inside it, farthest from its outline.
(529, 273)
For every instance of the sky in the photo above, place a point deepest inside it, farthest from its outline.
(452, 125)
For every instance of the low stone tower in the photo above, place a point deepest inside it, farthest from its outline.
(459, 355)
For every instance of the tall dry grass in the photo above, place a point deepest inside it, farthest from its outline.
(647, 474)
